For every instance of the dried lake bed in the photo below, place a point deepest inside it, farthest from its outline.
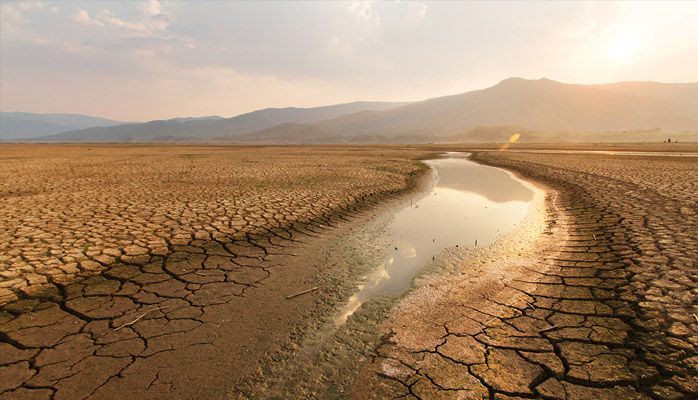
(131, 264)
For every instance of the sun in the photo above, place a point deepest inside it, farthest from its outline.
(622, 48)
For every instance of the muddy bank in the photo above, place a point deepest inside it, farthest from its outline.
(321, 359)
(464, 286)
(327, 361)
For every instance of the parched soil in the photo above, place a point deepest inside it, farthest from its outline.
(163, 272)
(608, 309)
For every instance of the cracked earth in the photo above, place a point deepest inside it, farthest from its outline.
(163, 272)
(157, 272)
(607, 312)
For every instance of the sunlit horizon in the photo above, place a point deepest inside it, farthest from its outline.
(142, 61)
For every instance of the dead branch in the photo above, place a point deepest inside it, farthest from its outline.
(303, 292)
(550, 328)
(139, 318)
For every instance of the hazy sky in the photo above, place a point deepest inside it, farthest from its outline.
(149, 60)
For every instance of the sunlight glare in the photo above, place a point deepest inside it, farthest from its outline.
(622, 48)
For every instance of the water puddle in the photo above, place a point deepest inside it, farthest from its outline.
(468, 205)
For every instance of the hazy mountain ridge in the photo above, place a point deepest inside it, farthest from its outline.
(543, 106)
(23, 125)
(542, 110)
(208, 128)
(183, 119)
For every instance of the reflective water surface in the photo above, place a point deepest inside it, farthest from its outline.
(470, 205)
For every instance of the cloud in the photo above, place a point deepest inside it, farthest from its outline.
(12, 13)
(361, 10)
(415, 13)
(156, 17)
(151, 8)
(10, 18)
(153, 22)
(30, 5)
(336, 46)
(84, 18)
(111, 19)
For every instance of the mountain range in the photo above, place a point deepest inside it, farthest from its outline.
(22, 125)
(539, 110)
(210, 128)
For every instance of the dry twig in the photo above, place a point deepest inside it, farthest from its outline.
(529, 303)
(139, 318)
(303, 292)
(550, 328)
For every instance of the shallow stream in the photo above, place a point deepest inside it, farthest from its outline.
(468, 204)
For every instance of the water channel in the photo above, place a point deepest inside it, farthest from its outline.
(468, 204)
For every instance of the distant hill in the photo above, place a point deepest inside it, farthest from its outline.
(22, 125)
(539, 106)
(208, 128)
(211, 117)
(539, 110)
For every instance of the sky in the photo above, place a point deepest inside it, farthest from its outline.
(146, 60)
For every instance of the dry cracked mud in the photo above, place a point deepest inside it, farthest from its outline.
(607, 311)
(162, 272)
(151, 272)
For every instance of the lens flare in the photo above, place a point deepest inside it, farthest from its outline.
(512, 139)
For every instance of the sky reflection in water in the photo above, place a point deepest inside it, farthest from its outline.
(469, 202)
